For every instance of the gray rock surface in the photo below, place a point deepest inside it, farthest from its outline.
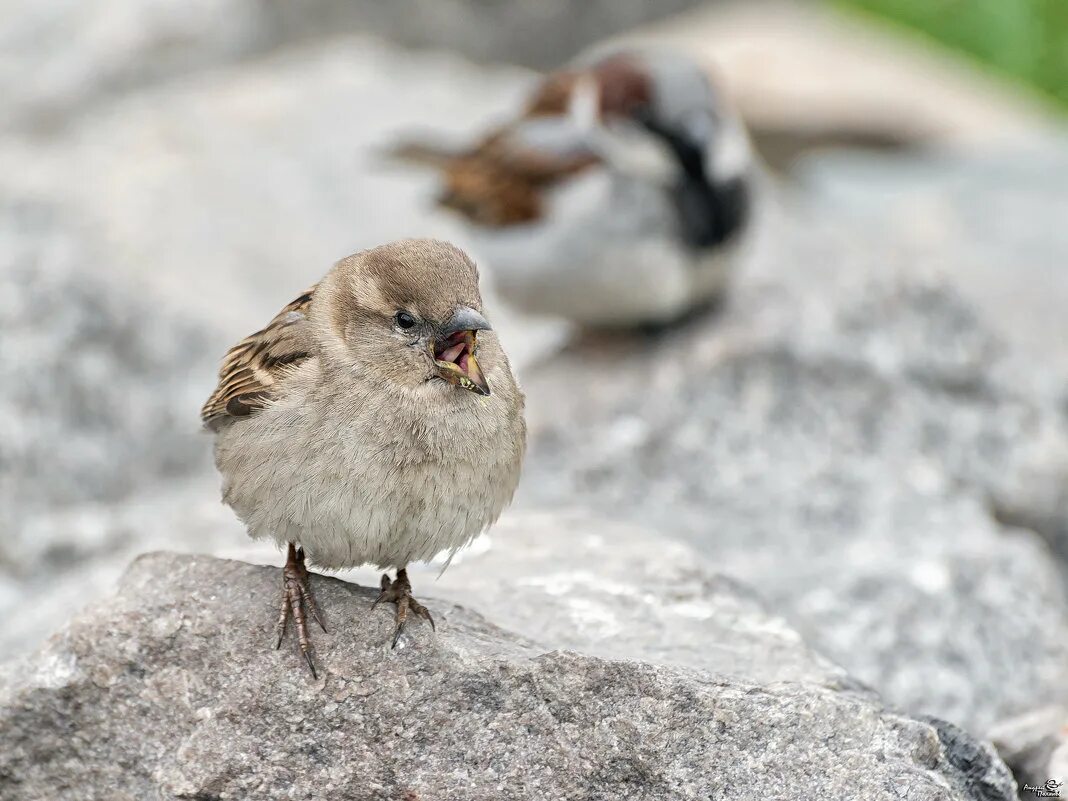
(81, 53)
(990, 225)
(97, 386)
(848, 437)
(1034, 746)
(845, 441)
(169, 690)
(65, 557)
(571, 580)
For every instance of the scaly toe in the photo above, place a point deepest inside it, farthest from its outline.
(397, 634)
(297, 600)
(423, 612)
(386, 594)
(399, 592)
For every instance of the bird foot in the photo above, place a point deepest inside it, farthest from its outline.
(399, 592)
(296, 600)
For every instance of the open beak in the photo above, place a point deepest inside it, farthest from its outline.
(453, 349)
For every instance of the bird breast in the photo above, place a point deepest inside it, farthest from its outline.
(383, 482)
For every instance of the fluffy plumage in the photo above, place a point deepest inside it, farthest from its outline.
(619, 195)
(336, 430)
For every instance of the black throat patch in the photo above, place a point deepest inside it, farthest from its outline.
(710, 212)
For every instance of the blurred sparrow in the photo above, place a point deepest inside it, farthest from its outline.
(374, 420)
(619, 196)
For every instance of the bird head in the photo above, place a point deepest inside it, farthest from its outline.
(408, 314)
(656, 115)
(648, 113)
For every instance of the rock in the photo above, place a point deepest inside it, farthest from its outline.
(998, 255)
(851, 443)
(80, 54)
(570, 580)
(170, 690)
(567, 580)
(858, 436)
(99, 392)
(74, 554)
(497, 30)
(1034, 746)
(986, 224)
(972, 760)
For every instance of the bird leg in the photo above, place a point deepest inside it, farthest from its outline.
(296, 600)
(399, 592)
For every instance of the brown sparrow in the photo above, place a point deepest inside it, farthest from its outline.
(374, 420)
(619, 196)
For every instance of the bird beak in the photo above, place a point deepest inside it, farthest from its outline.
(453, 350)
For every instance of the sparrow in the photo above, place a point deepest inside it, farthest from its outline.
(619, 196)
(375, 420)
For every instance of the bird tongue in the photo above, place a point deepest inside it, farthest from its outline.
(456, 348)
(453, 353)
(456, 362)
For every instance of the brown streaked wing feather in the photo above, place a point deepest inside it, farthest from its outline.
(251, 369)
(500, 181)
(553, 95)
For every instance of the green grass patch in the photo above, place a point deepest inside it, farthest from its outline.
(1026, 40)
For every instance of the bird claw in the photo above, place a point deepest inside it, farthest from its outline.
(397, 634)
(399, 592)
(296, 600)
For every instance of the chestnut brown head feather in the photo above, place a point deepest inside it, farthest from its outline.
(624, 85)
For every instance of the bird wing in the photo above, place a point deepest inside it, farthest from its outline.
(253, 367)
(500, 180)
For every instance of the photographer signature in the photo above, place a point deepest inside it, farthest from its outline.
(1051, 789)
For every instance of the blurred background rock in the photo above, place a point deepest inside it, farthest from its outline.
(872, 435)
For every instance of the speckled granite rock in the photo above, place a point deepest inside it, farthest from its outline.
(851, 443)
(170, 690)
(571, 580)
(97, 386)
(988, 226)
(1034, 746)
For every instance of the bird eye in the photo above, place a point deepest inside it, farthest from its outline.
(405, 320)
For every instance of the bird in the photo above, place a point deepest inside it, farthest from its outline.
(374, 420)
(620, 196)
